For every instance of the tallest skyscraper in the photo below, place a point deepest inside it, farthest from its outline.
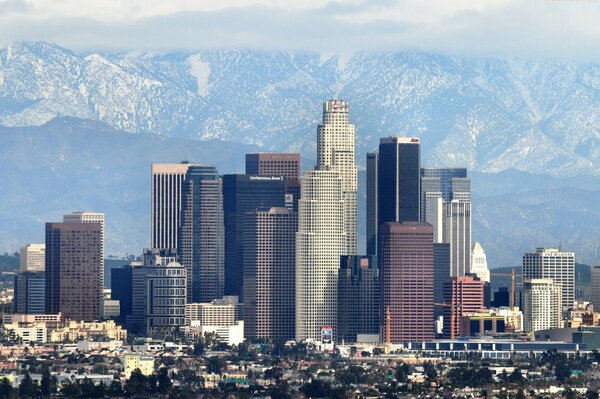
(335, 151)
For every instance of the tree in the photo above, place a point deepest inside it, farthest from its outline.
(430, 371)
(48, 383)
(215, 365)
(27, 387)
(6, 389)
(516, 377)
(115, 389)
(137, 383)
(164, 381)
(402, 372)
(562, 371)
(198, 348)
(591, 394)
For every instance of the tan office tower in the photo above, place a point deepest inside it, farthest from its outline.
(542, 304)
(32, 258)
(335, 151)
(167, 180)
(269, 274)
(74, 270)
(90, 217)
(320, 241)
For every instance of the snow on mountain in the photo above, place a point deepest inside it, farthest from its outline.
(487, 114)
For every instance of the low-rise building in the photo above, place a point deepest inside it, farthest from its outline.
(144, 363)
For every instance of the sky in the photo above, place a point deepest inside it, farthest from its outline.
(522, 28)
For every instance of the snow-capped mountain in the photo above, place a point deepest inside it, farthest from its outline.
(489, 115)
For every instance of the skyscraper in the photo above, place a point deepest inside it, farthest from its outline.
(372, 190)
(432, 205)
(320, 241)
(441, 271)
(269, 274)
(243, 194)
(167, 181)
(32, 258)
(479, 264)
(274, 164)
(74, 270)
(358, 297)
(406, 272)
(595, 270)
(446, 182)
(335, 151)
(542, 303)
(30, 292)
(464, 294)
(90, 217)
(552, 263)
(201, 235)
(457, 233)
(399, 186)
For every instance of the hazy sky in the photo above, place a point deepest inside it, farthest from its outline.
(538, 28)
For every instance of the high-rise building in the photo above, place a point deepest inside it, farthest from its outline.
(431, 205)
(358, 297)
(279, 164)
(464, 295)
(158, 294)
(320, 241)
(202, 234)
(335, 151)
(167, 182)
(545, 263)
(74, 275)
(269, 273)
(274, 164)
(596, 286)
(542, 303)
(372, 190)
(30, 292)
(441, 271)
(121, 283)
(446, 183)
(90, 217)
(399, 187)
(243, 194)
(479, 264)
(457, 233)
(406, 273)
(32, 258)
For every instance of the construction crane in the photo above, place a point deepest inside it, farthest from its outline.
(512, 291)
(452, 315)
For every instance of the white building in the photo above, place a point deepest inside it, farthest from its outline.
(542, 303)
(479, 264)
(335, 151)
(457, 233)
(231, 335)
(167, 180)
(320, 241)
(221, 316)
(32, 258)
(552, 263)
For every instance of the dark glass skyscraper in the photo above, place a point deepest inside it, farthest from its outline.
(358, 297)
(243, 194)
(372, 181)
(201, 235)
(30, 292)
(399, 188)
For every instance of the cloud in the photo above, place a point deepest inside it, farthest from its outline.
(534, 28)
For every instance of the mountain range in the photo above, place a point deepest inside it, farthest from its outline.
(80, 130)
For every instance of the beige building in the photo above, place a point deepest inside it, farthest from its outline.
(144, 363)
(336, 151)
(552, 263)
(73, 331)
(220, 312)
(479, 264)
(542, 305)
(320, 241)
(32, 258)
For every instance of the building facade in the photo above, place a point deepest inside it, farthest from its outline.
(74, 275)
(406, 272)
(372, 190)
(464, 296)
(552, 263)
(167, 197)
(336, 151)
(320, 241)
(30, 292)
(32, 258)
(358, 297)
(269, 274)
(542, 303)
(595, 271)
(479, 264)
(457, 233)
(274, 164)
(202, 234)
(243, 194)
